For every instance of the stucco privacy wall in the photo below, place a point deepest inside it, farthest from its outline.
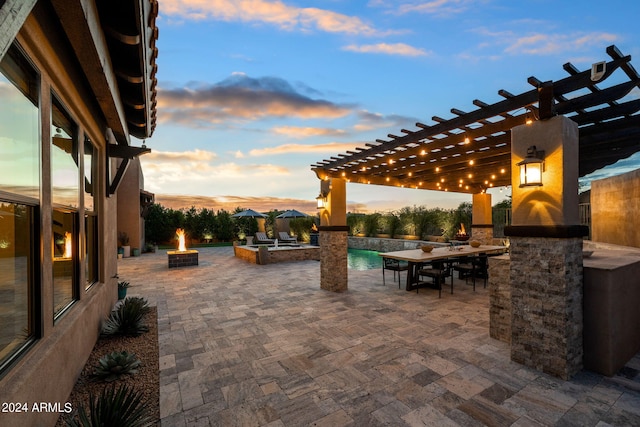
(615, 203)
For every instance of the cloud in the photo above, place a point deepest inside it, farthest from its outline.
(548, 43)
(400, 49)
(241, 98)
(230, 203)
(332, 147)
(304, 132)
(436, 7)
(260, 204)
(277, 13)
(173, 156)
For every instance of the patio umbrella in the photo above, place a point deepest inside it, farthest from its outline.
(292, 213)
(249, 213)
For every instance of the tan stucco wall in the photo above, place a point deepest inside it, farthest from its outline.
(47, 371)
(129, 219)
(556, 201)
(615, 203)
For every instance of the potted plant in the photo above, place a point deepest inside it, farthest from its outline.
(123, 238)
(122, 289)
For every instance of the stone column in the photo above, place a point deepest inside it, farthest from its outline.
(546, 252)
(333, 237)
(482, 219)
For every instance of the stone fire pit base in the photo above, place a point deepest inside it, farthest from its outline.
(182, 258)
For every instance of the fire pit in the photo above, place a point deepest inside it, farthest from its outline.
(182, 257)
(462, 235)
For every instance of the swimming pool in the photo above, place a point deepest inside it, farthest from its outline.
(362, 259)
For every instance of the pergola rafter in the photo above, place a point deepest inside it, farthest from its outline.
(472, 151)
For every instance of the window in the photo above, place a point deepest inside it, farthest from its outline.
(65, 197)
(90, 215)
(91, 246)
(19, 199)
(19, 127)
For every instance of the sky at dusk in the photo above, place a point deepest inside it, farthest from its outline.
(252, 92)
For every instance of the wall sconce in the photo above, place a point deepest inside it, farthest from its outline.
(531, 168)
(322, 200)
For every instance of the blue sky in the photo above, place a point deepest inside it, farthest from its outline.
(252, 92)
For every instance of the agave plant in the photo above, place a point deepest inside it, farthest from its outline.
(127, 318)
(122, 407)
(111, 366)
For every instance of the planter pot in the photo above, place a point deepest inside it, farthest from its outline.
(120, 256)
(126, 251)
(135, 252)
(122, 293)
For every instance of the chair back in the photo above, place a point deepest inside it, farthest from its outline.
(390, 262)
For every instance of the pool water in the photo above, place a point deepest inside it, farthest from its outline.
(362, 259)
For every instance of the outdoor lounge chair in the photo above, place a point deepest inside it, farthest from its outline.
(262, 239)
(285, 238)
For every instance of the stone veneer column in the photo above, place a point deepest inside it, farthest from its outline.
(500, 298)
(482, 219)
(546, 252)
(333, 237)
(333, 259)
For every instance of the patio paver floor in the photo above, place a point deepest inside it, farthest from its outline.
(251, 345)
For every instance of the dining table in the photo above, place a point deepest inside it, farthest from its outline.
(416, 257)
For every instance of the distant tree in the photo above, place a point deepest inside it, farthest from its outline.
(207, 221)
(159, 225)
(224, 226)
(301, 227)
(270, 225)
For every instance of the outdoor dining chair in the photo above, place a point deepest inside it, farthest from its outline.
(438, 272)
(396, 266)
(476, 267)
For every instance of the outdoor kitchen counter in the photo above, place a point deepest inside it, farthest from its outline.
(611, 301)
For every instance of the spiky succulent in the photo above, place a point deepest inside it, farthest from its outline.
(111, 366)
(122, 407)
(127, 318)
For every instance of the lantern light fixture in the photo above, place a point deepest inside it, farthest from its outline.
(322, 200)
(531, 168)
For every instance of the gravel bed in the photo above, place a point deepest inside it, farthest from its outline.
(146, 380)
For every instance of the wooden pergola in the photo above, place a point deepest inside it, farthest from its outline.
(471, 152)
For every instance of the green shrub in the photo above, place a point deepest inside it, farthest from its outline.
(111, 366)
(123, 407)
(127, 318)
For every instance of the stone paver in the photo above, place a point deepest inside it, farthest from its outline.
(263, 345)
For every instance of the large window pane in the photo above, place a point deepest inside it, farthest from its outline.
(65, 182)
(19, 127)
(64, 159)
(90, 166)
(64, 255)
(16, 279)
(91, 245)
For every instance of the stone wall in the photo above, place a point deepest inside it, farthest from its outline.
(282, 254)
(387, 245)
(547, 324)
(500, 298)
(333, 260)
(482, 234)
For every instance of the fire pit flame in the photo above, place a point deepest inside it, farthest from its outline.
(67, 245)
(182, 247)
